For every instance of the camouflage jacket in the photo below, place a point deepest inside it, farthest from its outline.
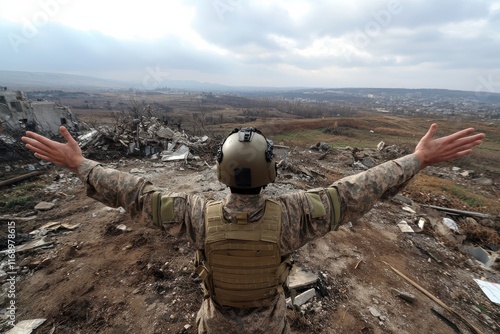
(300, 222)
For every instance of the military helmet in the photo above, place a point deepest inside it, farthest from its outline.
(245, 159)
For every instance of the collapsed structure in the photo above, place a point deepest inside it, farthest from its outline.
(17, 113)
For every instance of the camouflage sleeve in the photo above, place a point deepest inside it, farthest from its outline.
(179, 214)
(312, 214)
(358, 193)
(306, 216)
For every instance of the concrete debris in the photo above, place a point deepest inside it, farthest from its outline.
(368, 162)
(321, 146)
(404, 295)
(465, 173)
(301, 299)
(301, 279)
(26, 326)
(44, 206)
(481, 255)
(408, 209)
(38, 243)
(451, 224)
(52, 227)
(421, 223)
(404, 227)
(374, 312)
(484, 181)
(359, 165)
(182, 153)
(122, 227)
(380, 146)
(147, 136)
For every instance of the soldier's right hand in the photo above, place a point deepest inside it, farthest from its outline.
(67, 155)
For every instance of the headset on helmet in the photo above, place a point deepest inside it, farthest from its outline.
(245, 159)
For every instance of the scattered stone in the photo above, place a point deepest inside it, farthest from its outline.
(359, 165)
(380, 146)
(302, 279)
(404, 295)
(483, 181)
(451, 224)
(421, 223)
(122, 227)
(44, 206)
(369, 162)
(137, 171)
(465, 173)
(408, 209)
(25, 326)
(404, 227)
(302, 298)
(374, 312)
(481, 255)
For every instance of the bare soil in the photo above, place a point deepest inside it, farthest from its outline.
(100, 279)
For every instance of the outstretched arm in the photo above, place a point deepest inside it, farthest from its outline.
(432, 151)
(360, 192)
(67, 155)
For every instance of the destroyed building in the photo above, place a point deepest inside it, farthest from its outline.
(19, 113)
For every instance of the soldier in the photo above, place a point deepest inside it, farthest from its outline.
(245, 240)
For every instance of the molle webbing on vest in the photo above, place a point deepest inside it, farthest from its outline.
(243, 259)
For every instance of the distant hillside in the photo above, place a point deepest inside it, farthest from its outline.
(43, 80)
(24, 80)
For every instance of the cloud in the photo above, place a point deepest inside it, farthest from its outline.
(271, 42)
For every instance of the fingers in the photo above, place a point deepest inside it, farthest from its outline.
(67, 135)
(459, 134)
(431, 132)
(39, 144)
(466, 142)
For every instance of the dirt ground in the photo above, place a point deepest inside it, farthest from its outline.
(98, 278)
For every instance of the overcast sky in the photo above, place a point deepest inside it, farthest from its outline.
(448, 44)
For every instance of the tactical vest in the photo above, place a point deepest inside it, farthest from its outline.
(241, 264)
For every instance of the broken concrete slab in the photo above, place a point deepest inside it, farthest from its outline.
(301, 299)
(481, 255)
(33, 244)
(301, 279)
(165, 133)
(26, 326)
(404, 227)
(44, 206)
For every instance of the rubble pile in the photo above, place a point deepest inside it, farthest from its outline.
(144, 136)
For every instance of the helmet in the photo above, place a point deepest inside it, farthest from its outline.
(245, 159)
